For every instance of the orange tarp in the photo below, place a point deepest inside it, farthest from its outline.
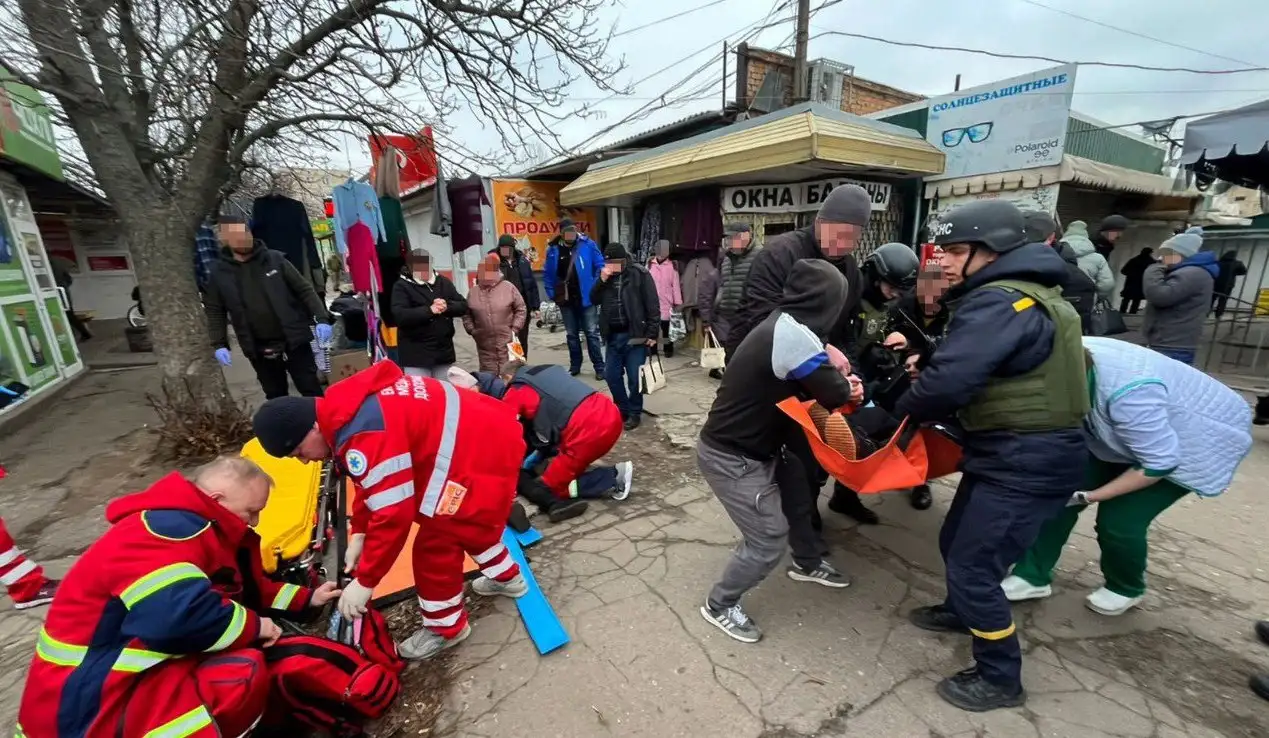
(929, 455)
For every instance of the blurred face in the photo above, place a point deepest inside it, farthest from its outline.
(1170, 258)
(421, 266)
(570, 236)
(889, 291)
(930, 288)
(488, 275)
(313, 447)
(1112, 236)
(663, 251)
(506, 252)
(740, 241)
(837, 240)
(957, 263)
(237, 238)
(616, 264)
(244, 499)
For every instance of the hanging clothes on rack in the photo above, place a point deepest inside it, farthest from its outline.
(356, 202)
(394, 249)
(649, 232)
(283, 224)
(362, 258)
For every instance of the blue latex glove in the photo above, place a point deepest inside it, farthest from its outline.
(222, 355)
(323, 331)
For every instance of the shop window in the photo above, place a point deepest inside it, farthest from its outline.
(775, 229)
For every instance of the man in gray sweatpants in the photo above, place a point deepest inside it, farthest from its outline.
(741, 445)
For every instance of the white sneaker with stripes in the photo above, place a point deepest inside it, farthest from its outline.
(824, 575)
(515, 589)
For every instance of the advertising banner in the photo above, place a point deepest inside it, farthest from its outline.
(12, 278)
(1017, 123)
(32, 346)
(26, 131)
(61, 331)
(531, 212)
(796, 196)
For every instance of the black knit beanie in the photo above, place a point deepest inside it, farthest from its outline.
(846, 204)
(282, 423)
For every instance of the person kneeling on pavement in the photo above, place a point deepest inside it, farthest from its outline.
(1011, 369)
(418, 451)
(573, 424)
(1159, 430)
(741, 450)
(157, 629)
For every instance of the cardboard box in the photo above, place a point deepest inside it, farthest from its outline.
(343, 366)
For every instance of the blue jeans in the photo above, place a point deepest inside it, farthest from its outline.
(1185, 356)
(624, 360)
(577, 318)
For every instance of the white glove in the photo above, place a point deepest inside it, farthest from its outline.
(353, 602)
(353, 554)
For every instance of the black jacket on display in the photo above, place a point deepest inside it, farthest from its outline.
(265, 299)
(283, 225)
(424, 339)
(634, 292)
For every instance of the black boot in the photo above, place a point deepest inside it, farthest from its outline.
(846, 501)
(937, 618)
(969, 691)
(556, 509)
(563, 510)
(1262, 411)
(669, 350)
(518, 520)
(1262, 631)
(920, 497)
(1260, 685)
(715, 373)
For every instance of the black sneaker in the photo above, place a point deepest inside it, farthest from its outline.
(824, 575)
(937, 618)
(565, 509)
(920, 497)
(847, 502)
(1260, 685)
(631, 423)
(1262, 630)
(42, 597)
(599, 374)
(574, 372)
(969, 691)
(733, 621)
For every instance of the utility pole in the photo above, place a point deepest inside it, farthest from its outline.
(799, 54)
(724, 107)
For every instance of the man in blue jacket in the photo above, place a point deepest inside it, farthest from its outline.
(1011, 370)
(573, 263)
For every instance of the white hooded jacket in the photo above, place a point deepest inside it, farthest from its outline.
(1090, 262)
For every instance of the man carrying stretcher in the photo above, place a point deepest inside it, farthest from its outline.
(418, 451)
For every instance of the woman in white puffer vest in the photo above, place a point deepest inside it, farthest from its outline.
(1157, 431)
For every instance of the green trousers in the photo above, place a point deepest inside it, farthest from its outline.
(1121, 533)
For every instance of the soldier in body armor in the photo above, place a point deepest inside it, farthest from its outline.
(1011, 370)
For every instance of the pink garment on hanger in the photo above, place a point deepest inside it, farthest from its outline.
(363, 260)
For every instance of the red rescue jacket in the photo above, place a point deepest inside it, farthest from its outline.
(417, 448)
(176, 575)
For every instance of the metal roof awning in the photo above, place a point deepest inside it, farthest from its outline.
(800, 142)
(1233, 146)
(1072, 169)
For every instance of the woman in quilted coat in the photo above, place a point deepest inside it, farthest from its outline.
(1158, 431)
(669, 291)
(495, 314)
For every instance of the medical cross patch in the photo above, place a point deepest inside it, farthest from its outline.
(355, 462)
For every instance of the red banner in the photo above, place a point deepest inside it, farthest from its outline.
(416, 157)
(930, 254)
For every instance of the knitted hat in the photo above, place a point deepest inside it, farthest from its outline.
(846, 204)
(282, 423)
(506, 239)
(735, 229)
(491, 261)
(1185, 244)
(616, 251)
(566, 224)
(1039, 224)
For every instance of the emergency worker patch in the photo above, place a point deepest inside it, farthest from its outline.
(355, 462)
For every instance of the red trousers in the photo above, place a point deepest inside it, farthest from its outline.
(592, 432)
(20, 575)
(232, 687)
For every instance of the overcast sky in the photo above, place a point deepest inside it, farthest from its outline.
(1225, 34)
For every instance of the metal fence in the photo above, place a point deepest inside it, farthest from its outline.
(1235, 341)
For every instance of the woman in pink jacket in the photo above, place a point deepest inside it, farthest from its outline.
(495, 313)
(669, 291)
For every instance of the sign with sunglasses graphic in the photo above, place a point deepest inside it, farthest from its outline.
(1018, 123)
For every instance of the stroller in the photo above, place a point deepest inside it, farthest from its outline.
(551, 318)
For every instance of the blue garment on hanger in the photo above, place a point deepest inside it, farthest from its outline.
(356, 201)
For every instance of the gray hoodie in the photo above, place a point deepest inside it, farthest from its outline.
(1090, 262)
(1177, 301)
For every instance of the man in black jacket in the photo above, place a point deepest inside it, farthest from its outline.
(272, 309)
(1078, 288)
(519, 271)
(629, 321)
(425, 304)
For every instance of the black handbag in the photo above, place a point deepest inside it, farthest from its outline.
(1107, 321)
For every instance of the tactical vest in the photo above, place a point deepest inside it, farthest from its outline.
(559, 395)
(872, 326)
(1052, 396)
(734, 272)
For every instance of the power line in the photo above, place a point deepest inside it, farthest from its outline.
(1138, 34)
(1001, 55)
(1077, 93)
(659, 21)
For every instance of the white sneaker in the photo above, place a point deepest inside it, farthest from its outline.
(515, 589)
(1018, 589)
(625, 477)
(1105, 602)
(425, 644)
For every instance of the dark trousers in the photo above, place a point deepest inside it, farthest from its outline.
(523, 337)
(987, 530)
(583, 319)
(1129, 306)
(299, 363)
(665, 333)
(1218, 304)
(798, 476)
(622, 373)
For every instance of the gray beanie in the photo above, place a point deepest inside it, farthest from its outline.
(846, 204)
(1186, 244)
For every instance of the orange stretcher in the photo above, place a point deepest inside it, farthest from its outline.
(929, 455)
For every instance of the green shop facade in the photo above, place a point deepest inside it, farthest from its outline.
(37, 350)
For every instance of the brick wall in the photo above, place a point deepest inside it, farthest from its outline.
(859, 96)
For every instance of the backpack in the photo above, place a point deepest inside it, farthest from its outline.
(333, 686)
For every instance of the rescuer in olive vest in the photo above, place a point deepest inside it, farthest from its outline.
(1011, 370)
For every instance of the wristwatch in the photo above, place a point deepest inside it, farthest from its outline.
(1081, 497)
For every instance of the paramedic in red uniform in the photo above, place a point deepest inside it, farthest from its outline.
(157, 628)
(581, 424)
(417, 450)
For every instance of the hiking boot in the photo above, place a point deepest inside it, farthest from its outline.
(733, 621)
(1018, 589)
(425, 644)
(937, 618)
(1262, 631)
(42, 597)
(846, 501)
(1105, 602)
(920, 497)
(486, 587)
(631, 423)
(625, 477)
(969, 691)
(562, 510)
(1260, 685)
(824, 575)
